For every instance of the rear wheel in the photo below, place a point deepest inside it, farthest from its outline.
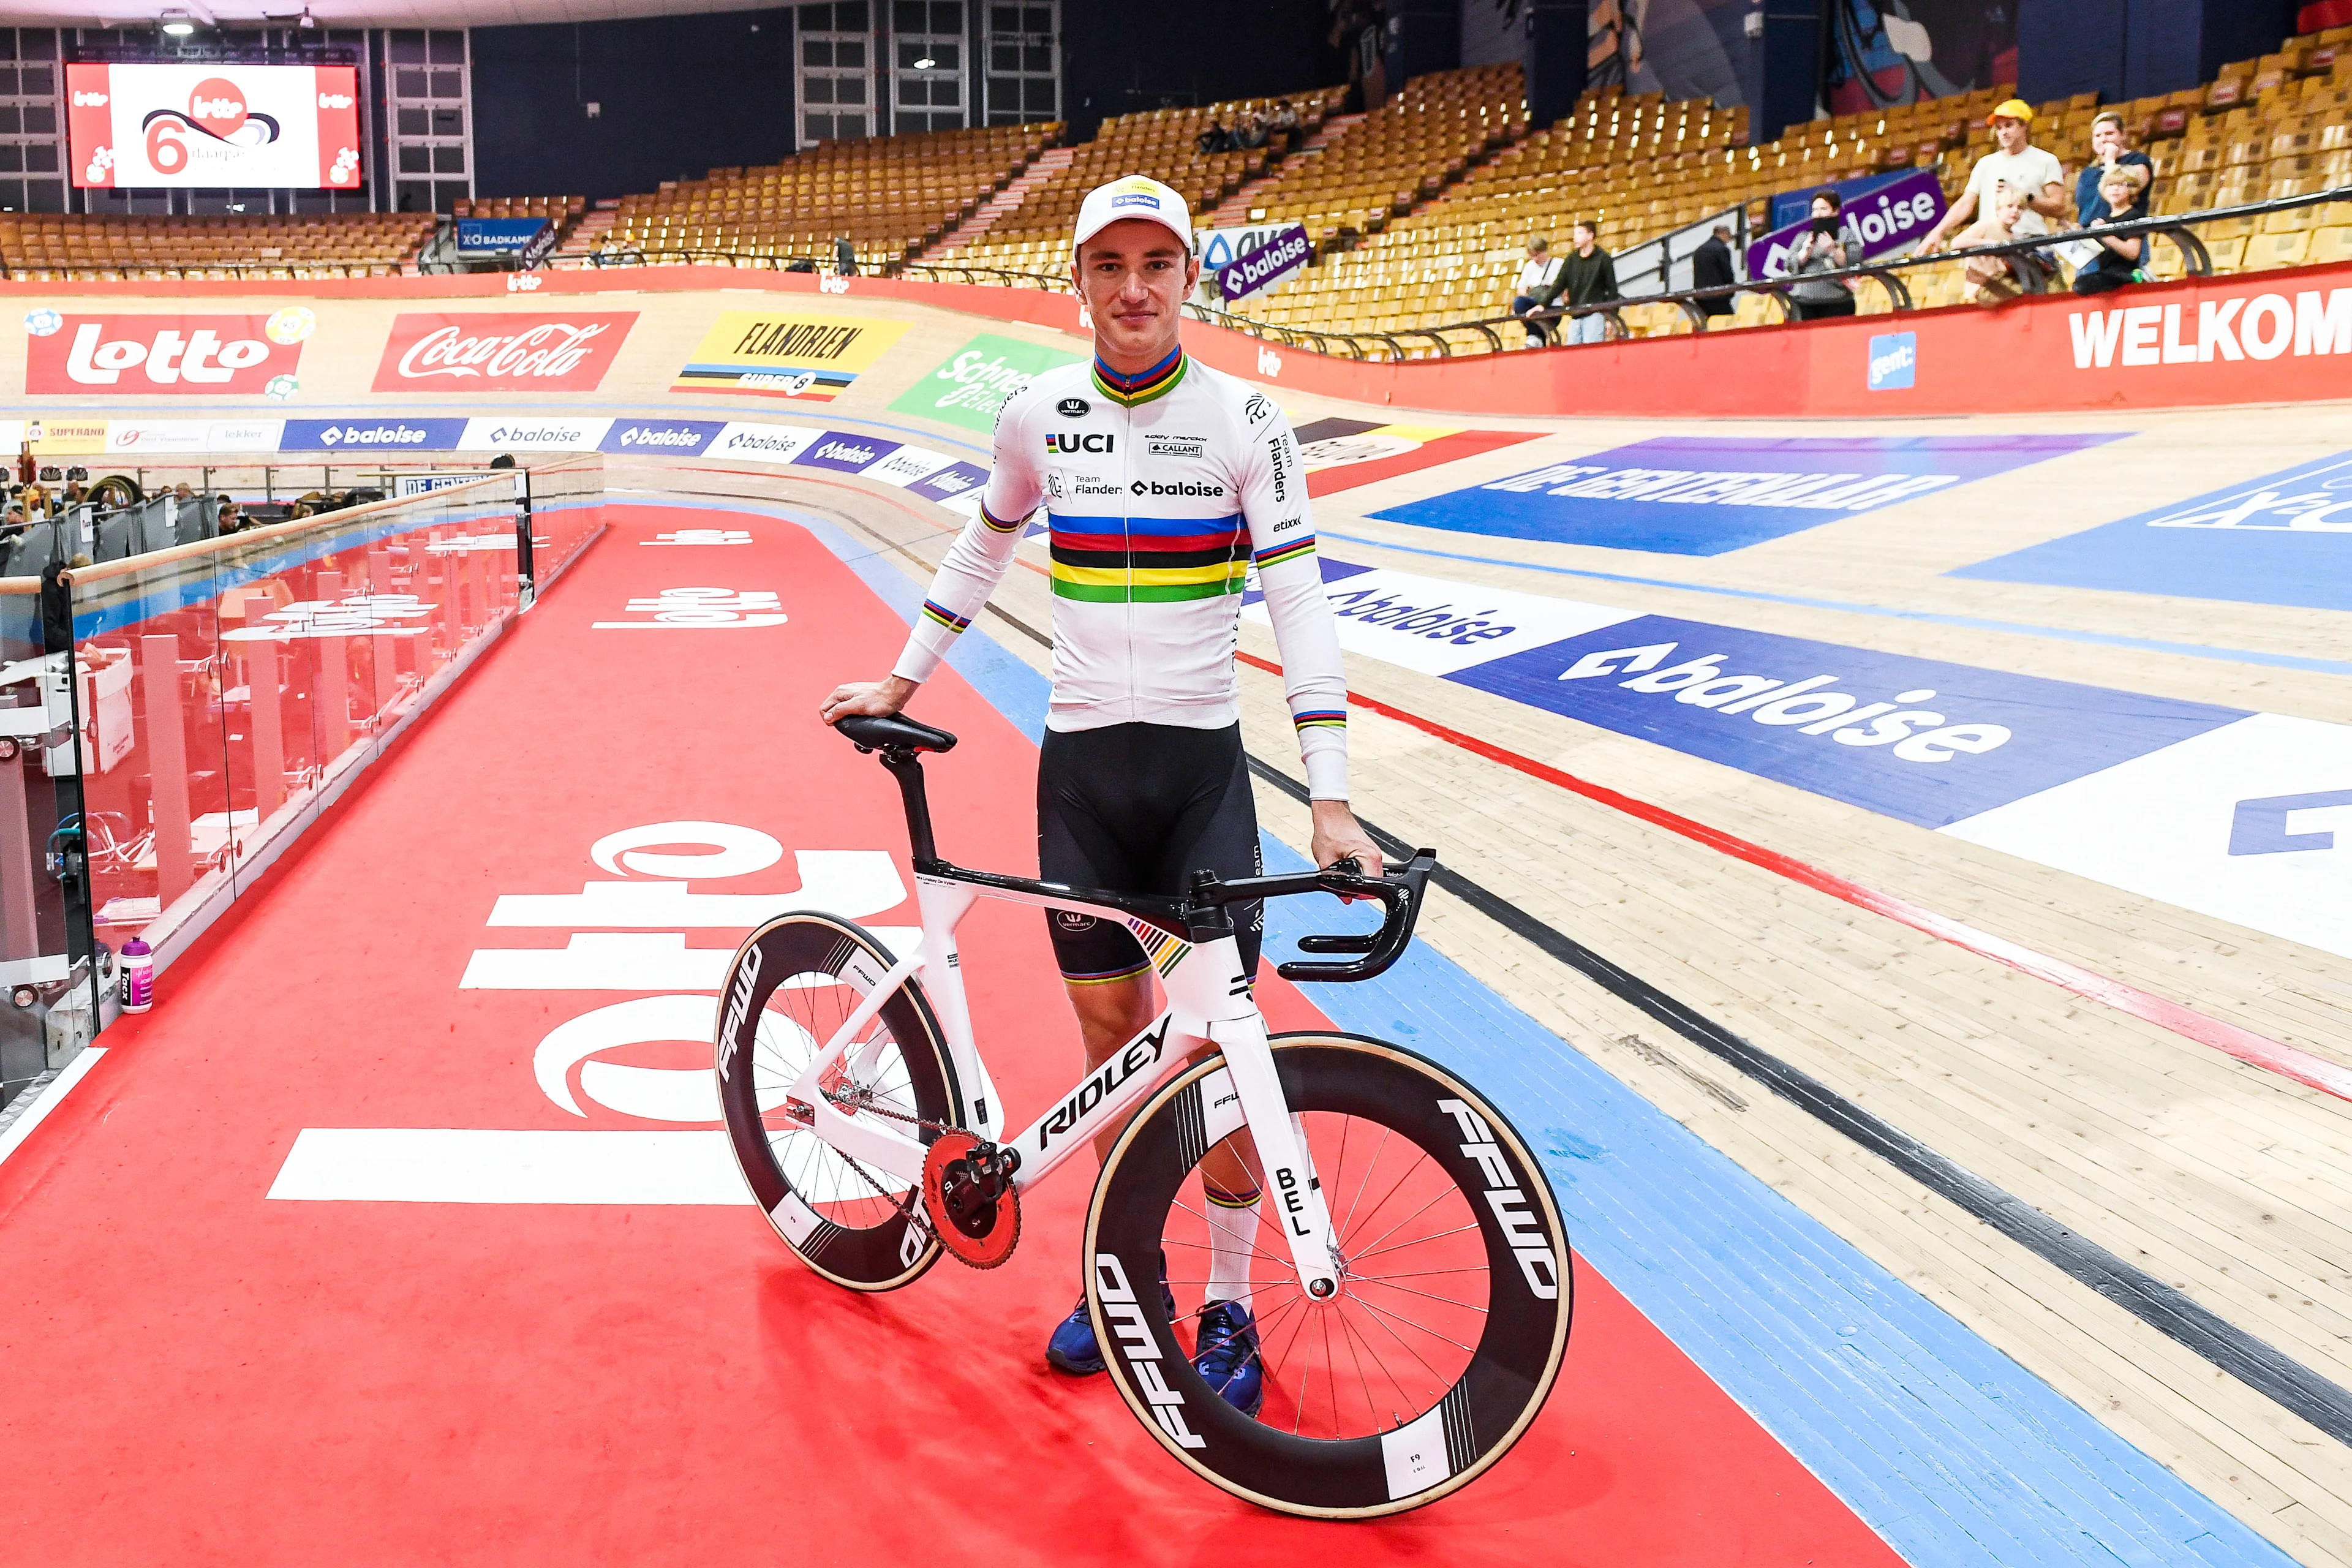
(794, 982)
(1453, 1312)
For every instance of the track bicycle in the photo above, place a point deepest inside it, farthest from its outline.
(1409, 1275)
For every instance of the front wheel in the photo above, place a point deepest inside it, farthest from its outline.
(1453, 1312)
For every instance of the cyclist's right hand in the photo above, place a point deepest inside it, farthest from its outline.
(878, 698)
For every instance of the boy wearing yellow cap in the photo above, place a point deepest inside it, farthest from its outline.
(2031, 173)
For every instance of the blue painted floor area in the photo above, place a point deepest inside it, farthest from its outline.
(1953, 1452)
(1973, 623)
(2284, 538)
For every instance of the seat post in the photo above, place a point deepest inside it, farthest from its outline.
(907, 766)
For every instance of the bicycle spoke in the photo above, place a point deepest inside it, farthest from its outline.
(1439, 1378)
(1424, 1295)
(1435, 1198)
(1355, 1257)
(1408, 1322)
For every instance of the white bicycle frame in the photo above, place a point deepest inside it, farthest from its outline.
(1210, 1005)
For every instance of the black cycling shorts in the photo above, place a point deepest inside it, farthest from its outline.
(1138, 808)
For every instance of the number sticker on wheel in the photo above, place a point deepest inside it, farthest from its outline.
(1454, 1293)
(792, 984)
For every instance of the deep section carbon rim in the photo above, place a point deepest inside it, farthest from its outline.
(1455, 1301)
(792, 984)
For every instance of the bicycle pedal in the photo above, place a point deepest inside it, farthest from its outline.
(969, 1200)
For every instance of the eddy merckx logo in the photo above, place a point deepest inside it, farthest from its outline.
(1893, 361)
(1811, 706)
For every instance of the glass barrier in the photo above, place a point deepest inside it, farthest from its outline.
(567, 509)
(49, 987)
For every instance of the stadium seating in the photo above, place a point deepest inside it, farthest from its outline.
(1162, 144)
(890, 196)
(80, 247)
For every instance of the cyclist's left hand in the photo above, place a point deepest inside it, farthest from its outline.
(1338, 835)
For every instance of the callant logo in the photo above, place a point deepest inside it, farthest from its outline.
(502, 351)
(158, 355)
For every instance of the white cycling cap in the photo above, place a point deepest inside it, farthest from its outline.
(1135, 196)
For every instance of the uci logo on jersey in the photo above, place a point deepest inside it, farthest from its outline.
(1078, 441)
(1074, 408)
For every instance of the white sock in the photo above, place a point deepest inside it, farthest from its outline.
(1232, 1236)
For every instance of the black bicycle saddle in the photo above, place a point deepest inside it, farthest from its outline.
(875, 734)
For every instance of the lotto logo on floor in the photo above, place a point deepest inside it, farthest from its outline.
(2283, 539)
(1704, 495)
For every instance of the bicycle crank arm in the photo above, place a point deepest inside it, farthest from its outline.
(1294, 1197)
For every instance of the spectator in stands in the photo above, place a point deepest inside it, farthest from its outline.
(2111, 261)
(1989, 280)
(75, 494)
(1711, 269)
(1538, 287)
(34, 500)
(2108, 153)
(1250, 133)
(845, 257)
(16, 520)
(1286, 121)
(232, 520)
(2024, 168)
(1215, 138)
(1822, 249)
(1588, 278)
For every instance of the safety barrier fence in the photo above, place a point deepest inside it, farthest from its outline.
(1486, 334)
(170, 724)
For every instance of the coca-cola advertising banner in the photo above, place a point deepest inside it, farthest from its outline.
(502, 351)
(166, 356)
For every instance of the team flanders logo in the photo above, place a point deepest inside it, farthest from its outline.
(809, 359)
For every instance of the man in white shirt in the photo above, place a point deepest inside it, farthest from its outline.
(2024, 168)
(1537, 286)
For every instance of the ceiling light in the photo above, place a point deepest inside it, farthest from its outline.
(307, 23)
(926, 63)
(177, 25)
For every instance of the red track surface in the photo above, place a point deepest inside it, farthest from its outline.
(200, 1374)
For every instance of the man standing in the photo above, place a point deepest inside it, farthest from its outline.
(1588, 278)
(1711, 269)
(2033, 174)
(1163, 480)
(1538, 287)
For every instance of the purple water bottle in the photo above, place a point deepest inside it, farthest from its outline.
(137, 976)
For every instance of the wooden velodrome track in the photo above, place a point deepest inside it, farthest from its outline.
(2146, 1098)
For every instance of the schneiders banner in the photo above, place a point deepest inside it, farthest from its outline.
(783, 355)
(169, 356)
(971, 388)
(502, 351)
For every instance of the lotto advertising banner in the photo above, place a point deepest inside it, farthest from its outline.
(216, 124)
(1704, 495)
(502, 351)
(2283, 539)
(971, 388)
(1887, 219)
(811, 358)
(166, 356)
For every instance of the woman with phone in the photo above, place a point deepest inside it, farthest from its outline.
(1821, 249)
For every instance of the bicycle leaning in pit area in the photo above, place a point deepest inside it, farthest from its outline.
(1411, 1277)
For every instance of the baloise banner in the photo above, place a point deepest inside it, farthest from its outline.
(1888, 218)
(972, 387)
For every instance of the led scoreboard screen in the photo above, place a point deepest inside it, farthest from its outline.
(252, 127)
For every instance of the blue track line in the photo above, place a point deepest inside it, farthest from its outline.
(1958, 1456)
(1972, 622)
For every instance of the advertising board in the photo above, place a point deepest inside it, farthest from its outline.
(213, 125)
(769, 353)
(502, 351)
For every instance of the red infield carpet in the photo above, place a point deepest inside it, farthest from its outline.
(201, 1374)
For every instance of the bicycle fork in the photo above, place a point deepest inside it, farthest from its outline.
(1295, 1194)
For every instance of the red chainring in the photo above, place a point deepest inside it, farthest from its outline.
(980, 1251)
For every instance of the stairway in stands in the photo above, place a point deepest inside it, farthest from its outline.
(586, 235)
(1234, 210)
(1050, 163)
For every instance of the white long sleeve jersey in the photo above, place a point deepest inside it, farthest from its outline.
(1160, 491)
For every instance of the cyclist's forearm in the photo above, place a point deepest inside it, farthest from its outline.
(1313, 678)
(974, 564)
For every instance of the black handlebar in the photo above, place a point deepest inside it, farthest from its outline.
(1399, 890)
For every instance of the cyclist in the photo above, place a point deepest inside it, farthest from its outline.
(1163, 482)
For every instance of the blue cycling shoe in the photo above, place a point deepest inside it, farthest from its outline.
(1072, 1348)
(1227, 1360)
